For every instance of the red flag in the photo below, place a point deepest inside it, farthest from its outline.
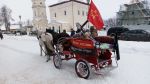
(94, 16)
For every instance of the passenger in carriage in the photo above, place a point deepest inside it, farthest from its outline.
(72, 32)
(63, 34)
(78, 34)
(87, 35)
(93, 32)
(105, 54)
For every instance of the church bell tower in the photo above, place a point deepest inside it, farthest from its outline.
(39, 21)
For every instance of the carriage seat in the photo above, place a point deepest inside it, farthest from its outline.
(105, 39)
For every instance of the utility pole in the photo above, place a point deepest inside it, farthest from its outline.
(20, 22)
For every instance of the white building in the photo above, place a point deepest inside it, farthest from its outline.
(40, 21)
(13, 27)
(66, 13)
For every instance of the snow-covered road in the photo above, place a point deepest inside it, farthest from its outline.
(21, 63)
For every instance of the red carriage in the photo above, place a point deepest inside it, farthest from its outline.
(91, 54)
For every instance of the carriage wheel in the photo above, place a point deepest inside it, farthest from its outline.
(82, 69)
(57, 61)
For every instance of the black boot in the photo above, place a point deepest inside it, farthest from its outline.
(48, 58)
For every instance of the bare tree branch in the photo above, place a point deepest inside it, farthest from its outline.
(5, 13)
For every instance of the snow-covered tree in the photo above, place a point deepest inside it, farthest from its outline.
(5, 14)
(111, 22)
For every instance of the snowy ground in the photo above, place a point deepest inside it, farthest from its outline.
(21, 63)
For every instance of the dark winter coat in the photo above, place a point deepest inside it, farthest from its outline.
(1, 35)
(72, 33)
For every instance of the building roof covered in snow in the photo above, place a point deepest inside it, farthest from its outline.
(66, 1)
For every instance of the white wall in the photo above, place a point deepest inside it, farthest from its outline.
(71, 16)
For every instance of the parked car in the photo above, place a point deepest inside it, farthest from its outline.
(34, 33)
(111, 31)
(20, 33)
(136, 35)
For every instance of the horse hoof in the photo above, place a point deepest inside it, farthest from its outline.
(48, 60)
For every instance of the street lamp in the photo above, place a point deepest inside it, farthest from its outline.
(20, 17)
(20, 22)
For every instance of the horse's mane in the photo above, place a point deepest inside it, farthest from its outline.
(56, 36)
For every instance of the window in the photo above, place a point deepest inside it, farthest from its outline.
(55, 14)
(65, 13)
(138, 24)
(59, 29)
(131, 32)
(42, 13)
(132, 13)
(78, 12)
(35, 13)
(144, 32)
(83, 13)
(138, 32)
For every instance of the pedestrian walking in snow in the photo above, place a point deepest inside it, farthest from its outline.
(1, 35)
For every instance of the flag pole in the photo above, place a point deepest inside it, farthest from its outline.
(84, 24)
(88, 2)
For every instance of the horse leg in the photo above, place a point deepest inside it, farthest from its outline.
(40, 50)
(48, 58)
(48, 54)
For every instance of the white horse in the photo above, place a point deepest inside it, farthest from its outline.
(46, 43)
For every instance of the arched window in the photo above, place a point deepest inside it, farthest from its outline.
(35, 13)
(59, 30)
(65, 13)
(78, 12)
(55, 14)
(43, 13)
(83, 13)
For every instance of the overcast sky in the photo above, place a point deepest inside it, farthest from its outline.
(108, 8)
